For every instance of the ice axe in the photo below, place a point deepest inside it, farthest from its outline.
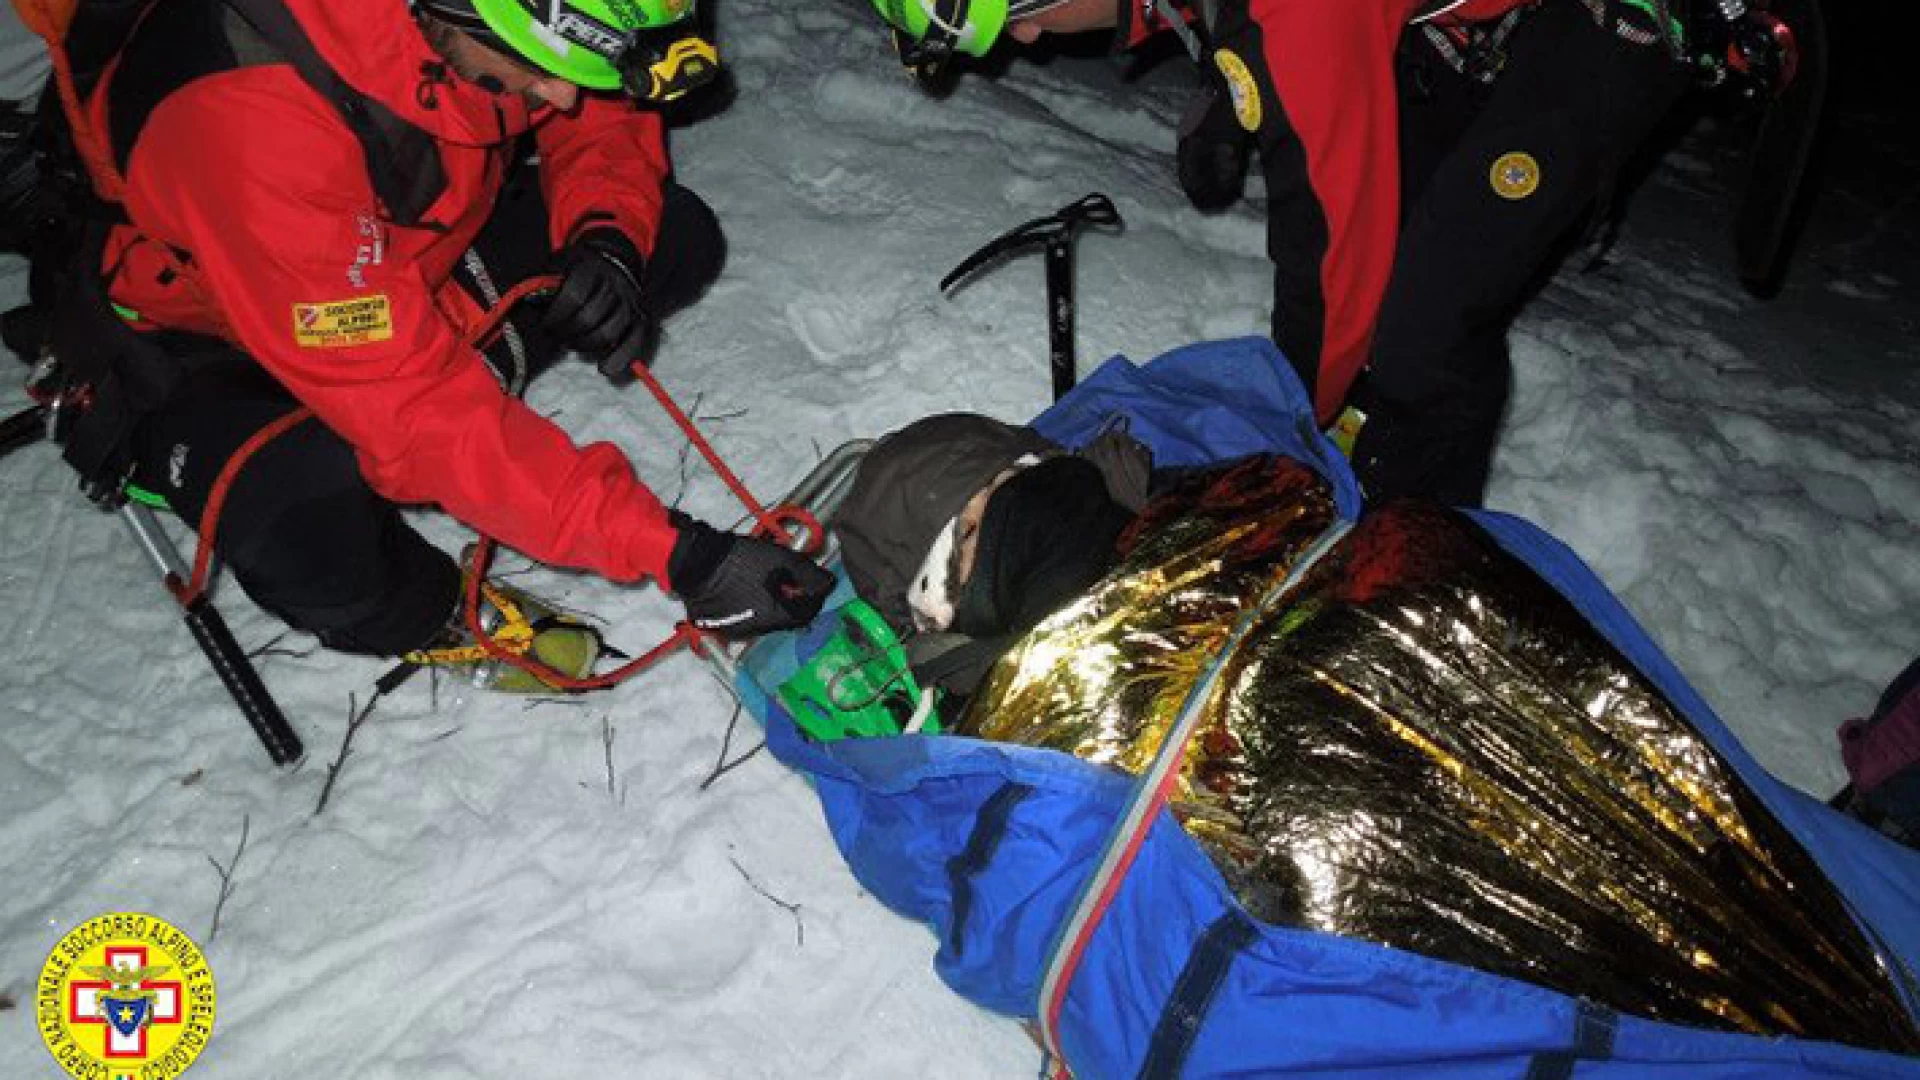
(1055, 231)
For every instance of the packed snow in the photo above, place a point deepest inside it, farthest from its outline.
(554, 887)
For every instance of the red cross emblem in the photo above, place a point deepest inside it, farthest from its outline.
(159, 1000)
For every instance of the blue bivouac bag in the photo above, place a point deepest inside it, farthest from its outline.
(990, 844)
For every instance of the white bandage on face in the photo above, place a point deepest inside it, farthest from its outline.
(935, 593)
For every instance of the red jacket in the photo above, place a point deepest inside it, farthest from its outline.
(1329, 141)
(255, 176)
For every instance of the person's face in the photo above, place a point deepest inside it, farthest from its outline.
(1071, 17)
(477, 63)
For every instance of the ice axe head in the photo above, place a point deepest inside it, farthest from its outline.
(1055, 228)
(1054, 233)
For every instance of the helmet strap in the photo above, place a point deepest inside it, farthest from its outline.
(462, 20)
(946, 24)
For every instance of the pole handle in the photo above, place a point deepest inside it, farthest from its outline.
(23, 429)
(242, 682)
(216, 642)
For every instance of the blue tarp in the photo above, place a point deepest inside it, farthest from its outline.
(989, 844)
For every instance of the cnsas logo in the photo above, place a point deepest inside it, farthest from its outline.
(125, 996)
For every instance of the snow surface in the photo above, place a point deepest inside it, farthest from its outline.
(498, 890)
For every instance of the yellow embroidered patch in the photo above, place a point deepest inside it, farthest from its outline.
(1241, 87)
(1515, 175)
(125, 994)
(339, 323)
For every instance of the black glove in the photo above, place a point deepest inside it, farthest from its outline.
(601, 308)
(743, 586)
(1213, 152)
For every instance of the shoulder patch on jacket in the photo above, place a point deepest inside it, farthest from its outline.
(1514, 176)
(1241, 87)
(338, 323)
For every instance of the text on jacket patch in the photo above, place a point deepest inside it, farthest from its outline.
(369, 251)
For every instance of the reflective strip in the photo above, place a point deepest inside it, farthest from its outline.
(1150, 793)
(514, 382)
(1027, 9)
(1434, 11)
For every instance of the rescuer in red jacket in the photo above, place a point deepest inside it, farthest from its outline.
(1424, 160)
(283, 256)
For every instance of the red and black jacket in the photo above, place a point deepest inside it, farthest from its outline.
(1325, 118)
(258, 219)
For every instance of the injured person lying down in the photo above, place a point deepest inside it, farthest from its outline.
(1425, 746)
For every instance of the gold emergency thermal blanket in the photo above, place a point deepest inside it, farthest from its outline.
(1423, 745)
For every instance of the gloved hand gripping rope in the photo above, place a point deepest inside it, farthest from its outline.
(732, 585)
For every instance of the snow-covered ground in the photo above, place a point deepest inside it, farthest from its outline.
(512, 888)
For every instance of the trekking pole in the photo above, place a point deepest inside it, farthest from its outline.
(1055, 232)
(23, 428)
(216, 641)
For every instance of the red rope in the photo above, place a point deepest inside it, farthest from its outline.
(88, 141)
(783, 522)
(489, 326)
(766, 523)
(683, 635)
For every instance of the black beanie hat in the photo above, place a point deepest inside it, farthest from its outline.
(1047, 534)
(910, 485)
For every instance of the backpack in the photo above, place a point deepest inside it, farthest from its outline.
(1882, 754)
(100, 375)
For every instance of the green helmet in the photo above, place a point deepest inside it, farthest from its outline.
(648, 47)
(939, 28)
(930, 31)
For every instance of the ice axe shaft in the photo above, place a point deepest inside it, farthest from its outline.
(1055, 232)
(1060, 314)
(216, 641)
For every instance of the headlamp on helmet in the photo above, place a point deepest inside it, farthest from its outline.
(652, 49)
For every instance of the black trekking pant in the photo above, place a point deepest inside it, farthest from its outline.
(302, 531)
(1495, 182)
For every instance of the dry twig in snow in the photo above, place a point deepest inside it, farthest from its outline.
(723, 766)
(355, 717)
(799, 924)
(226, 876)
(606, 741)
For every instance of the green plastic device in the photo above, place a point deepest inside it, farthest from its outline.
(858, 684)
